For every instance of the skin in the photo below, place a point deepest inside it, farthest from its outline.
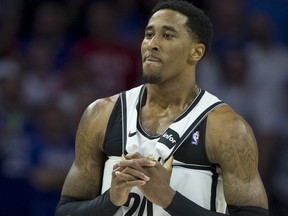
(170, 54)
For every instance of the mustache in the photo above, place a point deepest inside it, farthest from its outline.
(151, 57)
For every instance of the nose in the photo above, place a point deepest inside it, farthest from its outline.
(153, 43)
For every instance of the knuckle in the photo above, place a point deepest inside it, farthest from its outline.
(133, 163)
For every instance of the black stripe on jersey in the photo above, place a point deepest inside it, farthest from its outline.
(112, 144)
(186, 112)
(214, 183)
(192, 166)
(193, 104)
(124, 122)
(213, 189)
(139, 104)
(193, 126)
(124, 116)
(138, 108)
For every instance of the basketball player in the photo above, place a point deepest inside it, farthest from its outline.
(166, 147)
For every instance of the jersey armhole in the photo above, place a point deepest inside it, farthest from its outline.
(112, 119)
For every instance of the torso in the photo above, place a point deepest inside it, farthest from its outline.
(190, 159)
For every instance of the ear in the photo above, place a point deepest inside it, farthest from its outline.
(196, 53)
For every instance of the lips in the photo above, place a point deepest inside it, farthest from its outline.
(152, 58)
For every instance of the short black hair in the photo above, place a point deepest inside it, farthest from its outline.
(198, 22)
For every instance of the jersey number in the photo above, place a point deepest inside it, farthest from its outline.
(137, 202)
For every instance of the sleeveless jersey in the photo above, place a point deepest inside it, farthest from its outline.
(193, 175)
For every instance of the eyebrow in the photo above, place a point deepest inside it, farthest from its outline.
(164, 27)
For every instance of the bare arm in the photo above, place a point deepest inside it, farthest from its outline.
(231, 144)
(83, 182)
(84, 178)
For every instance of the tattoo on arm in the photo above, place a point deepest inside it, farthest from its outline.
(240, 173)
(84, 180)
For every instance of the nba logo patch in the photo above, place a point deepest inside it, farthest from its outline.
(195, 138)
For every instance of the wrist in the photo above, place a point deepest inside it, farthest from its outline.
(113, 202)
(116, 198)
(167, 199)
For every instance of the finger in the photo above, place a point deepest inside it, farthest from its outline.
(133, 156)
(128, 180)
(152, 158)
(115, 166)
(137, 163)
(131, 177)
(168, 164)
(135, 174)
(117, 169)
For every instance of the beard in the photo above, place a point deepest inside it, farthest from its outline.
(151, 79)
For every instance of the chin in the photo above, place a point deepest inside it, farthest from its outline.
(151, 79)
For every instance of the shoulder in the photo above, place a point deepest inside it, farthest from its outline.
(227, 130)
(101, 107)
(95, 118)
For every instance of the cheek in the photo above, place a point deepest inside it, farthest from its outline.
(143, 48)
(178, 55)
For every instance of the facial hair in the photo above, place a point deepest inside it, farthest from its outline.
(151, 79)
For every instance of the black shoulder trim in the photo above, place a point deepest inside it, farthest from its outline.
(124, 121)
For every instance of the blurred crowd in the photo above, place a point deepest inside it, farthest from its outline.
(56, 57)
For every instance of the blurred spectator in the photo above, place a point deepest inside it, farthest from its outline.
(77, 91)
(12, 119)
(113, 65)
(279, 197)
(131, 22)
(49, 24)
(40, 82)
(209, 74)
(234, 68)
(268, 68)
(52, 155)
(228, 18)
(268, 73)
(10, 14)
(277, 9)
(14, 145)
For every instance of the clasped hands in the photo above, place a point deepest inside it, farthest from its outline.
(148, 175)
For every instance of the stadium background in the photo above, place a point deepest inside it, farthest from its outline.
(56, 57)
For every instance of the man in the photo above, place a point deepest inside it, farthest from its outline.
(183, 151)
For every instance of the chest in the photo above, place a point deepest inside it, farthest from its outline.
(155, 121)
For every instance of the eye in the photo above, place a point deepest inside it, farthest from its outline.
(167, 36)
(149, 35)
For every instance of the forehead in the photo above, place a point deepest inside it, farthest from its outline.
(167, 17)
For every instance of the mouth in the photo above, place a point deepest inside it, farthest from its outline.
(151, 58)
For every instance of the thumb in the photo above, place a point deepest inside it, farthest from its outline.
(123, 157)
(168, 164)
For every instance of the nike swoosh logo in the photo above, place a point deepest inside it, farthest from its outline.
(131, 134)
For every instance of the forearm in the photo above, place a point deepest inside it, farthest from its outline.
(100, 206)
(180, 205)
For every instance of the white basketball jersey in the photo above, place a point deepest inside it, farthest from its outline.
(201, 183)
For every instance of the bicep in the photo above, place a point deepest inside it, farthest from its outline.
(238, 158)
(84, 178)
(232, 145)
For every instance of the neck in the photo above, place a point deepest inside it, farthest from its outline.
(167, 96)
